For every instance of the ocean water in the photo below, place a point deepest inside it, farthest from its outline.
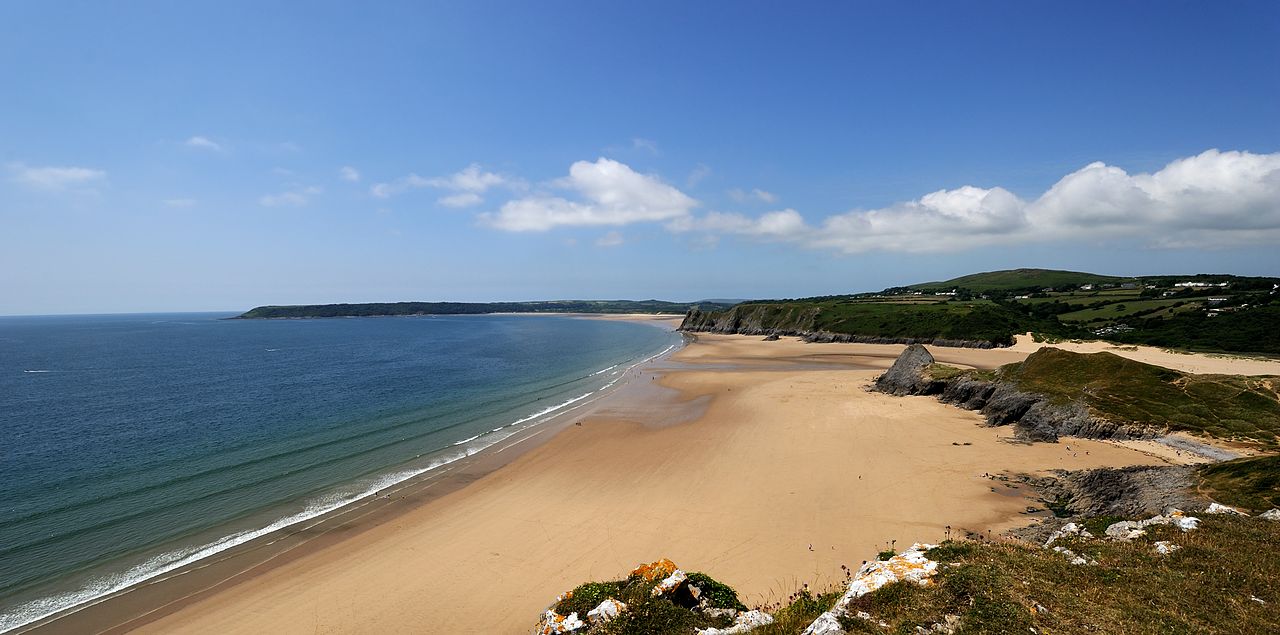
(131, 445)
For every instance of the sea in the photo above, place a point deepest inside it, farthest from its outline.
(132, 445)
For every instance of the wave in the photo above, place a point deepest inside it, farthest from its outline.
(37, 371)
(101, 588)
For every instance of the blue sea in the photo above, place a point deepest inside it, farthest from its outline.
(131, 445)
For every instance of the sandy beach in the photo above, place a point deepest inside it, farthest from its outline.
(765, 464)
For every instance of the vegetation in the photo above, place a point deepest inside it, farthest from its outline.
(1020, 279)
(670, 612)
(1249, 483)
(1125, 391)
(1209, 585)
(1241, 315)
(975, 321)
(469, 308)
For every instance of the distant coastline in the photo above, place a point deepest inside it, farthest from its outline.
(387, 309)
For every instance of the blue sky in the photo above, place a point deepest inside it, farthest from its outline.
(217, 156)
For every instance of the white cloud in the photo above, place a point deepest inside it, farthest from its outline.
(1214, 199)
(400, 185)
(462, 199)
(639, 143)
(348, 173)
(697, 175)
(54, 177)
(468, 184)
(203, 143)
(296, 197)
(611, 239)
(757, 194)
(606, 192)
(179, 202)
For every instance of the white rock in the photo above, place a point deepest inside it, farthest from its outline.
(670, 582)
(826, 624)
(1122, 529)
(1270, 514)
(909, 565)
(607, 610)
(746, 622)
(1215, 508)
(1069, 529)
(1164, 547)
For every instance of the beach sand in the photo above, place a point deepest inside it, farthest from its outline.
(765, 464)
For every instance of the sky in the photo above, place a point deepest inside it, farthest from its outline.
(161, 156)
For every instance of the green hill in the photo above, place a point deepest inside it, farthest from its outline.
(1129, 392)
(1020, 279)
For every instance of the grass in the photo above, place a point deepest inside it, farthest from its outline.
(1250, 483)
(1126, 391)
(943, 371)
(1117, 309)
(1207, 586)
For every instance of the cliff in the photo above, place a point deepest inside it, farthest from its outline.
(814, 323)
(1056, 393)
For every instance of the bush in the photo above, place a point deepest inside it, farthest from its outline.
(717, 594)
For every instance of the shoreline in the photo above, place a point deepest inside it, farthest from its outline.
(757, 426)
(167, 590)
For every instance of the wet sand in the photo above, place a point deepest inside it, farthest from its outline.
(765, 464)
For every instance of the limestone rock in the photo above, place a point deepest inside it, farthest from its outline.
(746, 622)
(907, 375)
(1270, 514)
(1215, 508)
(607, 610)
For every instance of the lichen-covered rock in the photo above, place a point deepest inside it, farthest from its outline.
(745, 622)
(910, 565)
(553, 623)
(654, 570)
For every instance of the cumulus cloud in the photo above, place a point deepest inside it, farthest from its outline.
(468, 184)
(1213, 199)
(55, 177)
(604, 192)
(611, 239)
(348, 173)
(203, 143)
(296, 197)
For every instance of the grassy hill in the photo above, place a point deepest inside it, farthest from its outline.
(1125, 391)
(1017, 279)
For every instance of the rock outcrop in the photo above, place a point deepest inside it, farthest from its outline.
(1035, 416)
(909, 374)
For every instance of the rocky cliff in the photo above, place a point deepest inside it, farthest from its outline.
(798, 321)
(1036, 417)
